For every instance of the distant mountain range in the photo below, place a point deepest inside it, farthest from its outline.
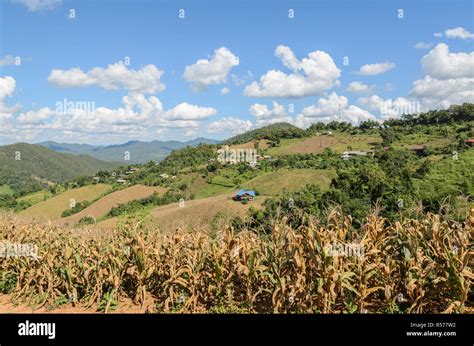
(29, 167)
(135, 151)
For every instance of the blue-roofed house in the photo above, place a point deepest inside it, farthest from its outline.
(245, 195)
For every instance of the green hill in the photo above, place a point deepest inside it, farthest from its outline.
(273, 132)
(28, 167)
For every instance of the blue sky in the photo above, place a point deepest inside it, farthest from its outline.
(422, 61)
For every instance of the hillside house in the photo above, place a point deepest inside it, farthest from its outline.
(245, 195)
(121, 181)
(469, 141)
(348, 154)
(96, 179)
(131, 171)
(164, 176)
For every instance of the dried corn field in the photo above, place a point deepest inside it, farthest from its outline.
(416, 266)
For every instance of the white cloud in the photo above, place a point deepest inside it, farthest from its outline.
(449, 78)
(423, 45)
(441, 93)
(7, 88)
(185, 111)
(35, 116)
(332, 108)
(311, 76)
(441, 64)
(359, 87)
(266, 116)
(138, 117)
(214, 71)
(113, 77)
(375, 69)
(231, 125)
(459, 32)
(225, 91)
(38, 5)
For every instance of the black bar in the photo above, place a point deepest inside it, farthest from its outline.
(101, 329)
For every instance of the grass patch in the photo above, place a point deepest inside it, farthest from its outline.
(36, 197)
(5, 190)
(276, 182)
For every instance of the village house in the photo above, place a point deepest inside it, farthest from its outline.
(469, 141)
(121, 181)
(132, 170)
(164, 176)
(245, 195)
(347, 154)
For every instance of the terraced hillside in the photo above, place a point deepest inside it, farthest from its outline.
(103, 205)
(52, 208)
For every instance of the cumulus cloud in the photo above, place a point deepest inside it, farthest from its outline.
(35, 116)
(375, 69)
(38, 5)
(265, 115)
(440, 63)
(231, 125)
(211, 71)
(332, 108)
(7, 88)
(359, 87)
(441, 93)
(449, 78)
(460, 33)
(113, 77)
(185, 111)
(311, 76)
(137, 116)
